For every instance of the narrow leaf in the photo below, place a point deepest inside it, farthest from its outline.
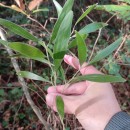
(41, 10)
(67, 7)
(107, 51)
(30, 75)
(27, 50)
(62, 38)
(82, 49)
(60, 106)
(99, 78)
(92, 27)
(58, 7)
(17, 30)
(86, 13)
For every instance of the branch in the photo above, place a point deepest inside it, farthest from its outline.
(23, 83)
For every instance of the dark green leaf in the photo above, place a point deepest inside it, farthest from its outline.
(92, 27)
(2, 93)
(107, 51)
(62, 38)
(98, 78)
(66, 9)
(17, 30)
(82, 49)
(30, 75)
(58, 7)
(86, 13)
(60, 106)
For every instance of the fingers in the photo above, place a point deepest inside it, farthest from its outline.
(74, 62)
(51, 101)
(73, 89)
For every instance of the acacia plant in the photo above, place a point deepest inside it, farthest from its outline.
(63, 38)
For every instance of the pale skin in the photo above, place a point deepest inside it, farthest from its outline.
(92, 103)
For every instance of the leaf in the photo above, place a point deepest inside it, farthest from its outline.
(60, 106)
(20, 4)
(99, 78)
(106, 52)
(73, 43)
(41, 10)
(58, 7)
(66, 9)
(27, 50)
(2, 92)
(86, 13)
(33, 4)
(30, 75)
(82, 49)
(17, 30)
(62, 39)
(5, 43)
(92, 27)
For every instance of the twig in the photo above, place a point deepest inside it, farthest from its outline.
(124, 39)
(24, 86)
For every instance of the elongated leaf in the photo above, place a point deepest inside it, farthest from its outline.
(86, 13)
(41, 10)
(30, 75)
(60, 106)
(67, 7)
(99, 78)
(58, 7)
(62, 39)
(92, 27)
(5, 43)
(73, 43)
(82, 49)
(113, 8)
(17, 30)
(107, 51)
(27, 50)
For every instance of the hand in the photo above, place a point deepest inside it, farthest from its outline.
(92, 103)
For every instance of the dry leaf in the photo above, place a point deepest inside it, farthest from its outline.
(20, 4)
(34, 3)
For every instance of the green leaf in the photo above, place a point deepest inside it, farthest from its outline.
(17, 30)
(2, 93)
(106, 52)
(66, 9)
(5, 43)
(41, 10)
(60, 106)
(27, 50)
(30, 75)
(99, 78)
(58, 7)
(73, 43)
(82, 49)
(86, 13)
(127, 1)
(62, 38)
(92, 27)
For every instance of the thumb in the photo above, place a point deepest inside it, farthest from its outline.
(74, 62)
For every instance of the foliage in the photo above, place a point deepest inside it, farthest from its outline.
(50, 50)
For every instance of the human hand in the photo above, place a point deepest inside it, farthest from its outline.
(92, 103)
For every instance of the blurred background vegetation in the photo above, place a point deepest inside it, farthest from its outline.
(15, 113)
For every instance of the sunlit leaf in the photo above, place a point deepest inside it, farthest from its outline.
(27, 50)
(30, 75)
(92, 27)
(66, 9)
(17, 30)
(82, 48)
(62, 38)
(98, 78)
(58, 7)
(86, 13)
(107, 51)
(41, 10)
(60, 106)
